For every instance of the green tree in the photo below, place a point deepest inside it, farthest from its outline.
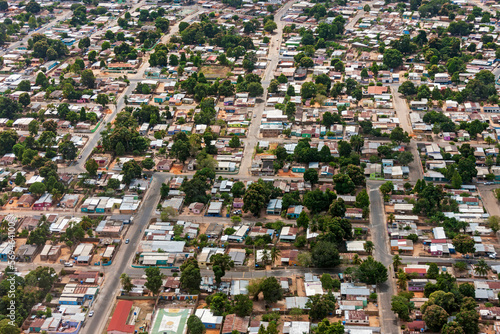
(270, 26)
(242, 306)
(393, 58)
(407, 88)
(126, 282)
(24, 86)
(255, 198)
(235, 142)
(91, 166)
(194, 324)
(325, 327)
(325, 255)
(271, 290)
(452, 328)
(433, 271)
(6, 327)
(88, 79)
(303, 220)
(371, 272)
(402, 307)
(481, 268)
(154, 280)
(190, 275)
(37, 188)
(469, 321)
(320, 306)
(396, 262)
(102, 99)
(148, 163)
(24, 99)
(20, 179)
(399, 136)
(343, 184)
(255, 89)
(464, 244)
(221, 263)
(311, 175)
(362, 200)
(435, 317)
(369, 246)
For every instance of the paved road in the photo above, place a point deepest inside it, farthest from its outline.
(388, 320)
(253, 130)
(403, 114)
(122, 261)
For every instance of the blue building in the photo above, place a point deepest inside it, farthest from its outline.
(5, 250)
(209, 320)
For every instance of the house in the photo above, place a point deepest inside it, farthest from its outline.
(238, 256)
(204, 258)
(419, 105)
(196, 207)
(25, 201)
(274, 207)
(289, 257)
(296, 327)
(50, 253)
(294, 211)
(356, 317)
(288, 234)
(442, 78)
(214, 209)
(416, 326)
(233, 323)
(26, 253)
(209, 320)
(165, 165)
(118, 323)
(43, 202)
(418, 284)
(7, 159)
(419, 269)
(402, 246)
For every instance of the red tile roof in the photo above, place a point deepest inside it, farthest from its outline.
(119, 320)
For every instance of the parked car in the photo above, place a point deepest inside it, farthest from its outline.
(127, 241)
(175, 270)
(68, 264)
(91, 313)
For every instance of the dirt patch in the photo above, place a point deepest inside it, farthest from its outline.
(374, 321)
(288, 174)
(301, 292)
(176, 169)
(215, 71)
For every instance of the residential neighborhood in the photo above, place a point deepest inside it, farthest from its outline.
(255, 167)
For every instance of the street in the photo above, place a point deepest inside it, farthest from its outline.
(254, 128)
(378, 228)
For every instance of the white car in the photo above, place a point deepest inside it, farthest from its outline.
(91, 313)
(68, 264)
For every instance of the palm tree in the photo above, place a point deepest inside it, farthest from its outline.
(390, 218)
(356, 260)
(402, 279)
(265, 256)
(481, 268)
(369, 246)
(396, 261)
(126, 282)
(275, 254)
